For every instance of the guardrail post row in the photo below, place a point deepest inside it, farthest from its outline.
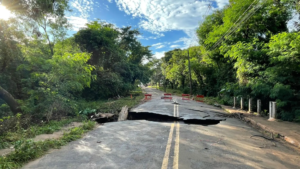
(258, 106)
(234, 102)
(272, 111)
(250, 106)
(242, 105)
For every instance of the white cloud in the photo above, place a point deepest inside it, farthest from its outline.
(106, 7)
(159, 55)
(110, 1)
(155, 37)
(77, 22)
(139, 36)
(82, 8)
(175, 46)
(191, 40)
(291, 23)
(157, 44)
(81, 12)
(185, 41)
(159, 47)
(159, 16)
(151, 37)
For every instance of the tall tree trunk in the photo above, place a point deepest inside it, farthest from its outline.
(10, 100)
(199, 78)
(165, 85)
(173, 82)
(47, 36)
(133, 80)
(183, 81)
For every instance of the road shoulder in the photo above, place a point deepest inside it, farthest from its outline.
(287, 131)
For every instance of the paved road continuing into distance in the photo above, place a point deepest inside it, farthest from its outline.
(141, 144)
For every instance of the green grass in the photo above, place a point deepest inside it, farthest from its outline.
(103, 106)
(155, 87)
(175, 92)
(211, 100)
(113, 106)
(219, 100)
(9, 138)
(27, 150)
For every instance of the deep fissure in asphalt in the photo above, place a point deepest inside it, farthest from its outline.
(161, 118)
(166, 118)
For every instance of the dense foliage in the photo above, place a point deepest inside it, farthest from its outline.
(117, 57)
(258, 59)
(45, 73)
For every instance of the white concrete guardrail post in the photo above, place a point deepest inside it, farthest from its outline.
(258, 106)
(234, 102)
(242, 105)
(250, 106)
(272, 111)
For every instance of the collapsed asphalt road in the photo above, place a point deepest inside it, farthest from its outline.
(170, 143)
(168, 118)
(161, 110)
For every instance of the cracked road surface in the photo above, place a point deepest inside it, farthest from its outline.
(141, 144)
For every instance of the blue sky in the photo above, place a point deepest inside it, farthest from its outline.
(164, 24)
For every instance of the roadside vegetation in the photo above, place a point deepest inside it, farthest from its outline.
(26, 150)
(176, 92)
(260, 59)
(49, 78)
(114, 105)
(48, 75)
(9, 138)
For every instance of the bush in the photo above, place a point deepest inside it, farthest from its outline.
(7, 123)
(297, 115)
(186, 90)
(107, 85)
(4, 110)
(285, 115)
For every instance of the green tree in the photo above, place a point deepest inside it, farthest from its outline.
(10, 58)
(46, 15)
(117, 56)
(29, 15)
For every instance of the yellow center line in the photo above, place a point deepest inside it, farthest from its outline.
(169, 143)
(166, 157)
(176, 149)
